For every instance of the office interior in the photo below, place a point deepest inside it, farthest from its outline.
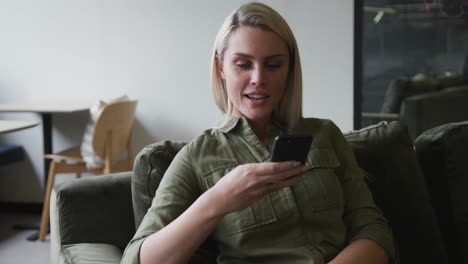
(159, 52)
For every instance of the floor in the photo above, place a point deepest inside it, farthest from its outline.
(14, 246)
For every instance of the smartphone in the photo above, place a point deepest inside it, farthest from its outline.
(291, 147)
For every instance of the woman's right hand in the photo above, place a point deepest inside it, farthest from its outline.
(248, 183)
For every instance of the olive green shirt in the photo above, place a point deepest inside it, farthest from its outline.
(309, 222)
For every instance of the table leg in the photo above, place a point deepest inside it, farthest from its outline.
(47, 139)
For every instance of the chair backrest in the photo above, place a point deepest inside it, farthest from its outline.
(150, 165)
(425, 111)
(443, 152)
(386, 154)
(113, 129)
(404, 87)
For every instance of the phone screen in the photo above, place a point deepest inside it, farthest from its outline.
(291, 147)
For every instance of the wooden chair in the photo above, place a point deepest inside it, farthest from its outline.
(111, 138)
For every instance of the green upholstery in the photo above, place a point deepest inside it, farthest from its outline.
(425, 111)
(384, 151)
(150, 165)
(91, 253)
(401, 88)
(423, 102)
(99, 210)
(443, 154)
(96, 209)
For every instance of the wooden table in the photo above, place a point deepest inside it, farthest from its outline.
(15, 125)
(13, 152)
(46, 110)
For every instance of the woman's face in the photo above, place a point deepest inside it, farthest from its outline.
(255, 69)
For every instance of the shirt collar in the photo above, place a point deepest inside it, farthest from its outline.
(234, 121)
(230, 124)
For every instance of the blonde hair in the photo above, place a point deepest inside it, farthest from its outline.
(289, 109)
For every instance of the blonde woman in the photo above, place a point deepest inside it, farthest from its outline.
(222, 190)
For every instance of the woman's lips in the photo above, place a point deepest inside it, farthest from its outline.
(257, 99)
(256, 96)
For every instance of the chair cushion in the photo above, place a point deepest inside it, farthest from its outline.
(385, 152)
(90, 253)
(443, 152)
(10, 153)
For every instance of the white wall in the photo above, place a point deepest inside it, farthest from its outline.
(155, 51)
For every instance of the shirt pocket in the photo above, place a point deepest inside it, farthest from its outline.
(258, 214)
(321, 182)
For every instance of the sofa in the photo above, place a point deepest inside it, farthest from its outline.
(421, 112)
(403, 87)
(93, 218)
(422, 102)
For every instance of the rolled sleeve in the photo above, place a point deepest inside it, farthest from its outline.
(132, 252)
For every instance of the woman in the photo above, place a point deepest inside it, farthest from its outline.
(221, 186)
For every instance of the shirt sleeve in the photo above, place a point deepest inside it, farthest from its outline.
(177, 191)
(364, 220)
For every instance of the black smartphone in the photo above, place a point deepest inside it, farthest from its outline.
(291, 147)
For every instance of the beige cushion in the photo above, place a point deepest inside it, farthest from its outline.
(93, 161)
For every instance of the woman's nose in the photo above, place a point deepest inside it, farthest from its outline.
(258, 76)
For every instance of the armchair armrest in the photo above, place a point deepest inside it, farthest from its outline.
(95, 209)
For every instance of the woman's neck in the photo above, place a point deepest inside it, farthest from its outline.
(260, 128)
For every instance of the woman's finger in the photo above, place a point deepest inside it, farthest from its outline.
(283, 175)
(268, 168)
(272, 187)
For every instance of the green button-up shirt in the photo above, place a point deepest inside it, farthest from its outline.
(309, 222)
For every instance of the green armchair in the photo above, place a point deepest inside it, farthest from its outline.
(93, 219)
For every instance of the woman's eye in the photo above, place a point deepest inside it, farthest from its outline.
(273, 65)
(243, 65)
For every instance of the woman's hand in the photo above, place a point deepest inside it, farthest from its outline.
(250, 182)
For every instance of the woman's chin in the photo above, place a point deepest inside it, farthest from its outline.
(259, 117)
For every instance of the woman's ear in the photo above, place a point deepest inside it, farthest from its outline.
(219, 68)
